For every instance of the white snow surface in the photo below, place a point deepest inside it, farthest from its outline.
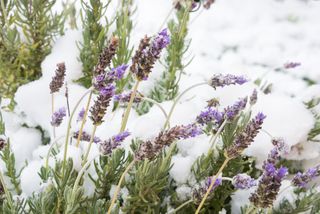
(248, 37)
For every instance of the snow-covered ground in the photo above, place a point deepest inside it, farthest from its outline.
(248, 37)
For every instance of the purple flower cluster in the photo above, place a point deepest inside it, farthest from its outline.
(244, 139)
(125, 97)
(58, 79)
(199, 193)
(108, 146)
(220, 80)
(99, 108)
(302, 179)
(81, 115)
(280, 147)
(243, 181)
(159, 43)
(232, 111)
(86, 137)
(269, 185)
(208, 116)
(150, 149)
(147, 54)
(291, 65)
(57, 117)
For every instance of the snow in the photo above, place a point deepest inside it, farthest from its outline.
(247, 37)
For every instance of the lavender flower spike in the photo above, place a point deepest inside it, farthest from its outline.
(159, 43)
(232, 111)
(244, 139)
(220, 80)
(209, 115)
(199, 193)
(269, 186)
(243, 181)
(125, 97)
(86, 137)
(58, 79)
(99, 108)
(58, 116)
(81, 115)
(116, 73)
(108, 146)
(291, 65)
(302, 179)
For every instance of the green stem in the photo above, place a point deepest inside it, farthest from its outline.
(212, 183)
(69, 128)
(115, 195)
(127, 112)
(49, 151)
(213, 142)
(177, 99)
(181, 206)
(84, 119)
(90, 144)
(5, 189)
(4, 12)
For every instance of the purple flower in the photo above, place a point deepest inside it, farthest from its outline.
(58, 79)
(125, 97)
(243, 181)
(116, 73)
(269, 185)
(188, 131)
(244, 139)
(254, 97)
(57, 117)
(290, 65)
(232, 111)
(100, 106)
(280, 147)
(159, 43)
(81, 115)
(302, 179)
(108, 146)
(209, 115)
(199, 193)
(86, 137)
(220, 80)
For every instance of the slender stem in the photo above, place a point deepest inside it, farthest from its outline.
(4, 12)
(181, 206)
(115, 195)
(90, 144)
(213, 141)
(49, 150)
(52, 110)
(177, 99)
(5, 189)
(69, 128)
(212, 183)
(127, 112)
(158, 105)
(84, 119)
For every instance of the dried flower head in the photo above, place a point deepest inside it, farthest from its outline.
(100, 106)
(220, 80)
(302, 179)
(243, 181)
(106, 56)
(3, 142)
(213, 102)
(58, 80)
(58, 116)
(166, 138)
(108, 146)
(85, 136)
(269, 186)
(244, 139)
